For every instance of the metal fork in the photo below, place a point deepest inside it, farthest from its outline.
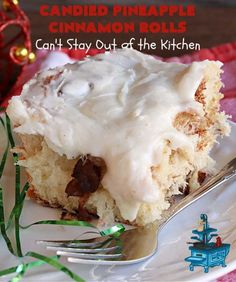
(137, 244)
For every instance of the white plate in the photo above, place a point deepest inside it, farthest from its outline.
(167, 265)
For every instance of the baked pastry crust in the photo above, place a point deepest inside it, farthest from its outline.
(53, 176)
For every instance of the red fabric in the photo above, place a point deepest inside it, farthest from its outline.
(225, 53)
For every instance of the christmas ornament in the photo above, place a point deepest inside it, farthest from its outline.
(10, 54)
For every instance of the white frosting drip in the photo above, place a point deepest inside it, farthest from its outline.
(119, 106)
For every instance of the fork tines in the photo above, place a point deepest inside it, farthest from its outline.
(90, 256)
(92, 249)
(73, 244)
(80, 250)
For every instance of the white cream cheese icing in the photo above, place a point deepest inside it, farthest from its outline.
(119, 106)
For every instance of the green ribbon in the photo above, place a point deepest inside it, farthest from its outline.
(112, 233)
(18, 208)
(21, 269)
(4, 157)
(2, 122)
(60, 222)
(56, 264)
(9, 132)
(2, 217)
(17, 188)
(2, 225)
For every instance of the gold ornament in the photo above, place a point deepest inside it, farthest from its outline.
(31, 57)
(7, 4)
(21, 54)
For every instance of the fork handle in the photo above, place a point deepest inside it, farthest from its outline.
(226, 173)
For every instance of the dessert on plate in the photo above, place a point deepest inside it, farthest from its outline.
(118, 135)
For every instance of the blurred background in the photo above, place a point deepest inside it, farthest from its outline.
(214, 23)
